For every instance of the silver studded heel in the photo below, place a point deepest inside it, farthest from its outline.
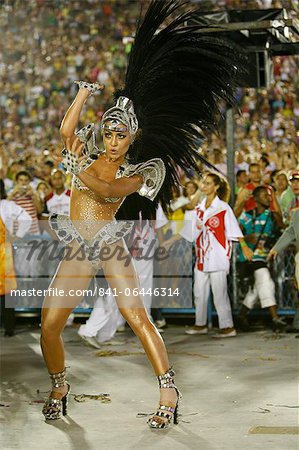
(54, 408)
(164, 411)
(91, 87)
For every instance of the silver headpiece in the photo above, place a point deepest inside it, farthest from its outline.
(122, 113)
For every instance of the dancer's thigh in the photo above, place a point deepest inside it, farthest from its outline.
(122, 277)
(67, 287)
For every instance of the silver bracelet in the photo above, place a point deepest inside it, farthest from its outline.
(91, 87)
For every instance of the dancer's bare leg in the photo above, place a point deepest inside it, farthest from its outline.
(121, 275)
(71, 275)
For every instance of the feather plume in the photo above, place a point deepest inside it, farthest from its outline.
(177, 77)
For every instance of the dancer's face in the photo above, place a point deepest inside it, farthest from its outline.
(116, 143)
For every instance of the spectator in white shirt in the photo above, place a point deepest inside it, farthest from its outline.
(25, 197)
(215, 228)
(10, 213)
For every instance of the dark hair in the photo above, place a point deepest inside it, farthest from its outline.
(20, 162)
(253, 165)
(240, 173)
(256, 192)
(265, 160)
(41, 183)
(2, 190)
(49, 163)
(24, 173)
(223, 191)
(274, 173)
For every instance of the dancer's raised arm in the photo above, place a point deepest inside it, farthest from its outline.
(70, 121)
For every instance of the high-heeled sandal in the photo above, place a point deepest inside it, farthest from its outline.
(91, 87)
(165, 411)
(55, 408)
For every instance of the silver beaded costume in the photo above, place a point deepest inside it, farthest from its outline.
(108, 234)
(152, 171)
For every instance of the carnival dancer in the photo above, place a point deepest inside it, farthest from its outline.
(173, 84)
(215, 228)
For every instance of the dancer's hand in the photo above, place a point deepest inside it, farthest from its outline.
(88, 89)
(73, 155)
(75, 147)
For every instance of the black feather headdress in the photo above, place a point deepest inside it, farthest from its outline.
(176, 77)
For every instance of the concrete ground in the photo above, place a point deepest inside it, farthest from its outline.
(237, 393)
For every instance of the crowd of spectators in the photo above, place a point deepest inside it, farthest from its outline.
(49, 44)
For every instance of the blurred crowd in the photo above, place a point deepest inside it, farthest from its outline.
(50, 43)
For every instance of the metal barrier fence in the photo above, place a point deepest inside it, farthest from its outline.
(42, 269)
(283, 274)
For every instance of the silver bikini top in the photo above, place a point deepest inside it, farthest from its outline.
(152, 171)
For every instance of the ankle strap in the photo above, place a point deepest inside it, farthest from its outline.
(58, 379)
(166, 379)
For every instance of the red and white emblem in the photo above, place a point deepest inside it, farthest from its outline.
(214, 222)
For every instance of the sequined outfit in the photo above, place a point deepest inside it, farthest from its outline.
(92, 210)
